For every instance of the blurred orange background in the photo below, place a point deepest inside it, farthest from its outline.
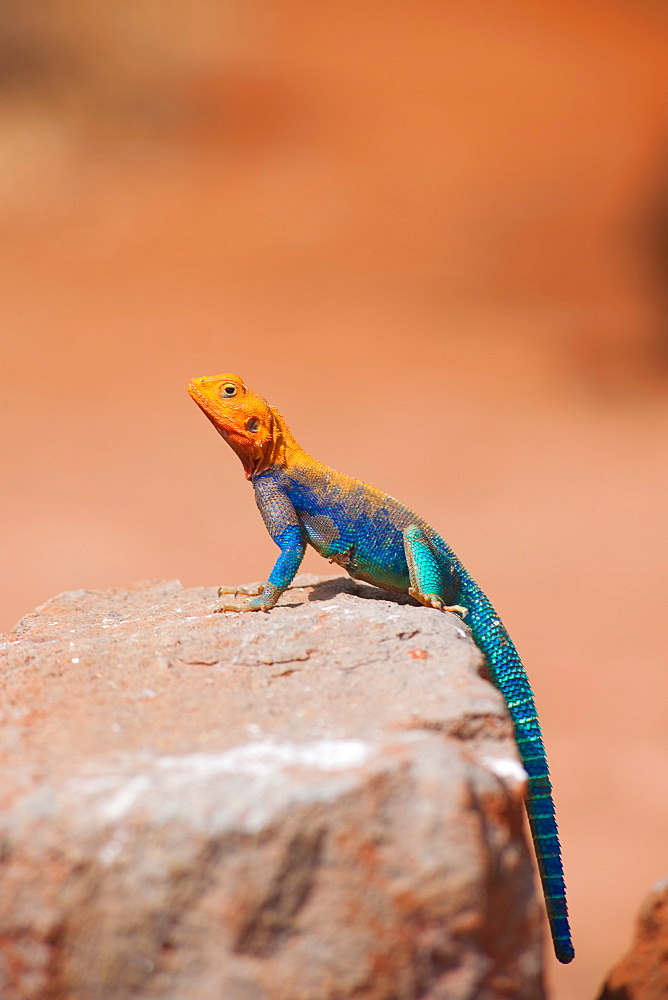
(435, 235)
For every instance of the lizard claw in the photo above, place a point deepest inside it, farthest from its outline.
(456, 608)
(436, 601)
(247, 591)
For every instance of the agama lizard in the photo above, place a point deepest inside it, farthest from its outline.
(379, 540)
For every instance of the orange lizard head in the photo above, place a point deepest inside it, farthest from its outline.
(253, 429)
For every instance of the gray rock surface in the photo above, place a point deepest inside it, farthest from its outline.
(316, 804)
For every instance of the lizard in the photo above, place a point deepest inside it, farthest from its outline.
(377, 539)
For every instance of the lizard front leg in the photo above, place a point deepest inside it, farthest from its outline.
(292, 548)
(283, 525)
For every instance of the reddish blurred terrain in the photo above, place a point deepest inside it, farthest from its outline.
(436, 236)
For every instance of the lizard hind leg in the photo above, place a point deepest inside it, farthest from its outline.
(433, 581)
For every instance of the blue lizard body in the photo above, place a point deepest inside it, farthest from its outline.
(379, 540)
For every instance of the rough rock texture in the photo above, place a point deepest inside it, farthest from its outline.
(643, 973)
(316, 804)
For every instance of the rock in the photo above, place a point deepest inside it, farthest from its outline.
(322, 802)
(643, 973)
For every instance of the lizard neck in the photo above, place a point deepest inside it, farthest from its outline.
(283, 449)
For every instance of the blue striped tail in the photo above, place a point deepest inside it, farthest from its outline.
(510, 677)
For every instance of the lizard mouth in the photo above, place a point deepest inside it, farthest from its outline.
(235, 436)
(213, 412)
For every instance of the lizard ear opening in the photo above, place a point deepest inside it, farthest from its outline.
(253, 424)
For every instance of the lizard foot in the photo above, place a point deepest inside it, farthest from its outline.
(263, 598)
(247, 606)
(246, 592)
(435, 601)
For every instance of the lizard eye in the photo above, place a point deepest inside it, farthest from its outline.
(228, 389)
(253, 425)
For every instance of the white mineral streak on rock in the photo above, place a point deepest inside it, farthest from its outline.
(510, 771)
(262, 763)
(124, 798)
(267, 757)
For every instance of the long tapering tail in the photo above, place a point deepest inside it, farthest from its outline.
(510, 677)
